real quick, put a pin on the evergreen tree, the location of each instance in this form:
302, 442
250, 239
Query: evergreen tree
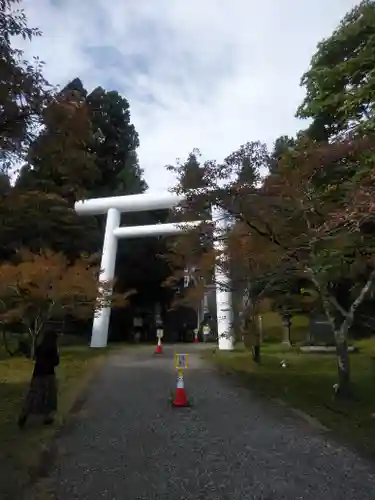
115, 144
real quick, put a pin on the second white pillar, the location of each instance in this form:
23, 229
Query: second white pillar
223, 285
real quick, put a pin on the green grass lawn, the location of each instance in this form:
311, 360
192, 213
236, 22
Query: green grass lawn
20, 451
273, 327
306, 383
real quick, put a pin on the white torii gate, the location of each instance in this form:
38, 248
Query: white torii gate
113, 207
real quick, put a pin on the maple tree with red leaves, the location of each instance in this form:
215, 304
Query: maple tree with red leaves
45, 285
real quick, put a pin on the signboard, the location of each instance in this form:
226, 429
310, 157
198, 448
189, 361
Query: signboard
206, 330
181, 361
160, 333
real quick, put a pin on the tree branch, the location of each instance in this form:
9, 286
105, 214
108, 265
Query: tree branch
335, 304
362, 294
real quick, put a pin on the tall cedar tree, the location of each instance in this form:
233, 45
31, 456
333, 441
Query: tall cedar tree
60, 168
98, 159
60, 160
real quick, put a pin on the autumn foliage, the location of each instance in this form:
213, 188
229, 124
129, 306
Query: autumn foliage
45, 285
310, 219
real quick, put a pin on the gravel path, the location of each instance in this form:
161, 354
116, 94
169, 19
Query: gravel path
128, 444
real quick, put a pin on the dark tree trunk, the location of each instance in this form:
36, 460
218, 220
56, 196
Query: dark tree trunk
256, 345
256, 353
33, 342
343, 369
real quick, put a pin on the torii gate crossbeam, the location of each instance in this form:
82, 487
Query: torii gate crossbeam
113, 207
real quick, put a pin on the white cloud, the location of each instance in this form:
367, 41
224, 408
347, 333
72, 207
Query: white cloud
211, 74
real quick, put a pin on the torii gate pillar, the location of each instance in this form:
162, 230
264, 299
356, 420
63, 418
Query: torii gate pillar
113, 207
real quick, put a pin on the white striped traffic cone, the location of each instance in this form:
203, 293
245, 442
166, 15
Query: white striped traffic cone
159, 347
180, 399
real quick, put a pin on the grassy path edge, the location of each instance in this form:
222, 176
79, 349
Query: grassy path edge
343, 428
26, 456
78, 396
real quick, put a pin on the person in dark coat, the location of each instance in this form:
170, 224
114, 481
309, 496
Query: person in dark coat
42, 396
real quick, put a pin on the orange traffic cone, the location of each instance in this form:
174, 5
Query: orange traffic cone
159, 347
180, 399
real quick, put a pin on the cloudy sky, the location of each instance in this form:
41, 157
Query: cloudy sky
211, 74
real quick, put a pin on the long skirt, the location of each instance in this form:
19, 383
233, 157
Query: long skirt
42, 396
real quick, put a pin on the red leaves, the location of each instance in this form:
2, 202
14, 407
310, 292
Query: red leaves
47, 284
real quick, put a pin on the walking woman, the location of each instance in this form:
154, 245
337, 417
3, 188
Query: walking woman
42, 396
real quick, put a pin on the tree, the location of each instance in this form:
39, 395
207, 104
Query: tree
282, 145
255, 269
60, 159
315, 228
81, 152
190, 174
332, 245
193, 250
115, 144
46, 285
58, 227
23, 89
340, 83
86, 149
205, 185
4, 184
324, 226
